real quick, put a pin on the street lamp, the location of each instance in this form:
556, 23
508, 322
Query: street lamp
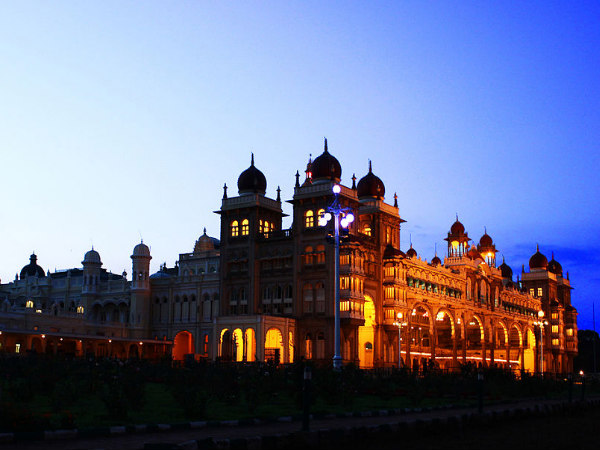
400, 324
541, 322
342, 216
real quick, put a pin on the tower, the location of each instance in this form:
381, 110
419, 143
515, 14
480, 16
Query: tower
92, 267
458, 240
139, 315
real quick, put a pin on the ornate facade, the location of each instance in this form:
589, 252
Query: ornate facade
263, 292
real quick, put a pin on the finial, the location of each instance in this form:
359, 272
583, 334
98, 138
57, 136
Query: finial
435, 248
457, 217
552, 254
252, 159
502, 258
310, 158
370, 168
410, 239
204, 234
485, 229
537, 246
224, 191
278, 194
395, 200
297, 178
354, 181
325, 151
522, 268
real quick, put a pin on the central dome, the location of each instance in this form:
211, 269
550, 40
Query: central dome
538, 260
141, 250
252, 180
32, 269
92, 257
326, 167
371, 186
457, 228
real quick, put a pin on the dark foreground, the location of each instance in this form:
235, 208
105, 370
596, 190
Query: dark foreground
547, 424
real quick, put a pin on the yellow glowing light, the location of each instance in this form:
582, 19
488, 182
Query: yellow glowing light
141, 343
43, 336
454, 244
109, 341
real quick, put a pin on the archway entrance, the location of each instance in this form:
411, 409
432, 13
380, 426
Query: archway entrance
250, 345
366, 335
183, 345
529, 351
238, 345
225, 345
274, 346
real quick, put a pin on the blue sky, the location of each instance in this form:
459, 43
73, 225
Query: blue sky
122, 120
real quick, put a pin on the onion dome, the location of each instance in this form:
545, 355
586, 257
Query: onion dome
390, 252
538, 261
252, 180
555, 267
436, 261
92, 257
371, 186
486, 241
141, 250
411, 252
506, 270
326, 167
32, 269
204, 244
457, 228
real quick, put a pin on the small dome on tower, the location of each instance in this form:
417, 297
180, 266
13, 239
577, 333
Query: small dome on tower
252, 180
204, 244
506, 270
371, 186
141, 250
436, 261
457, 228
92, 257
538, 260
32, 269
555, 267
486, 240
326, 167
411, 252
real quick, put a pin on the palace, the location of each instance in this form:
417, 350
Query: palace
262, 292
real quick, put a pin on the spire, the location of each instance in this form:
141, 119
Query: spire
278, 194
297, 179
325, 149
224, 191
435, 248
395, 200
204, 234
252, 159
503, 259
370, 168
537, 247
354, 181
485, 229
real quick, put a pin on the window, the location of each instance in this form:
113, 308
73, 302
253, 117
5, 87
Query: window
308, 298
532, 292
554, 316
320, 294
234, 228
245, 227
308, 256
29, 304
367, 229
556, 342
555, 328
539, 292
569, 331
388, 235
17, 348
309, 219
260, 226
320, 254
206, 344
266, 228
320, 213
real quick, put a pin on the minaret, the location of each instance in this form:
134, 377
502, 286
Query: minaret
140, 288
92, 266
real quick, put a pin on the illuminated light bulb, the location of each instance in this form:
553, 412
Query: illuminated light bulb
350, 217
322, 222
327, 216
344, 222
337, 189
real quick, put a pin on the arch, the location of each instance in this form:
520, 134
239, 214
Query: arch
529, 351
225, 345
320, 214
291, 346
309, 219
274, 346
250, 340
474, 333
445, 331
245, 227
36, 345
308, 346
237, 345
234, 228
183, 344
366, 334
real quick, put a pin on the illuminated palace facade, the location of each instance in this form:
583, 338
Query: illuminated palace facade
262, 292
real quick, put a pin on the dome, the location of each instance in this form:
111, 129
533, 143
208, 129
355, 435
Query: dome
204, 244
92, 257
326, 167
32, 269
555, 267
411, 252
436, 261
538, 261
506, 270
141, 250
457, 228
252, 180
390, 252
371, 186
486, 241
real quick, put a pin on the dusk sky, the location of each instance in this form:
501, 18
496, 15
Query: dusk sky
123, 120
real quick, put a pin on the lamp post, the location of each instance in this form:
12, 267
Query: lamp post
342, 217
541, 322
400, 324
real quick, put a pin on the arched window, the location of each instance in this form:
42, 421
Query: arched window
260, 226
308, 255
388, 235
245, 227
320, 254
307, 294
367, 229
320, 213
242, 294
320, 297
309, 219
266, 229
235, 229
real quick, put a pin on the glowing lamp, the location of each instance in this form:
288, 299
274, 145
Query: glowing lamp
337, 189
540, 314
454, 244
344, 222
327, 216
350, 217
400, 315
322, 221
